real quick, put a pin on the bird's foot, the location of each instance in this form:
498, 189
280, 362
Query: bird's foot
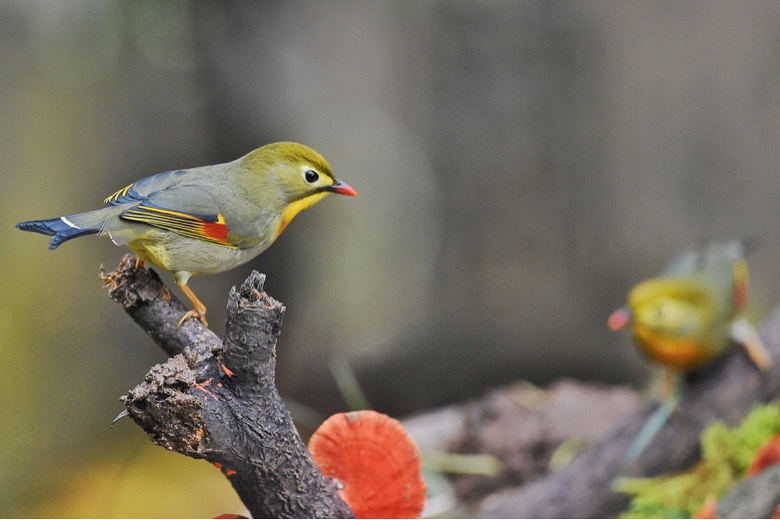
743, 332
198, 314
198, 309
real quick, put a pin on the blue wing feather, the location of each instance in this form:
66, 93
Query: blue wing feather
168, 191
140, 190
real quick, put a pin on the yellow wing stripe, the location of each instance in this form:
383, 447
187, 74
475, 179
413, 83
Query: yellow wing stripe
118, 194
182, 223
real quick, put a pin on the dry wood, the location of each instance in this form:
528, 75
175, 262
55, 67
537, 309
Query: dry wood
217, 400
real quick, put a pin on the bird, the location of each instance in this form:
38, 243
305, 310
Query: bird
687, 316
208, 219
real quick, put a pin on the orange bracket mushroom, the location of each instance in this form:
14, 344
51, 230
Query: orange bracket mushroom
375, 463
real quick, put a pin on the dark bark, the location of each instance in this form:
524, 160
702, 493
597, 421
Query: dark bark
755, 497
151, 304
725, 390
217, 400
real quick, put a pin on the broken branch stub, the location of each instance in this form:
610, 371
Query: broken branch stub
218, 401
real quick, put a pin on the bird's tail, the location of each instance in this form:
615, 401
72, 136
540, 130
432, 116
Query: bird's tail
65, 228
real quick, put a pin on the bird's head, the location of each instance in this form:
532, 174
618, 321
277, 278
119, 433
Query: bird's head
292, 177
296, 172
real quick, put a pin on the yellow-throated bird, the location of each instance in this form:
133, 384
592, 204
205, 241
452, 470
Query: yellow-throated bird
209, 219
687, 316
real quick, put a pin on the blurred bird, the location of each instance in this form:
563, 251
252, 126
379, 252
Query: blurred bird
209, 219
688, 315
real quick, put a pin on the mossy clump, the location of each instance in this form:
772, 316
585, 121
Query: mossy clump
726, 455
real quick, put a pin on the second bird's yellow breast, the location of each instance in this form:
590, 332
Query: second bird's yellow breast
674, 323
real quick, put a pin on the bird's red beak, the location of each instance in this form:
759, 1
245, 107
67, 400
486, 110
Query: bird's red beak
619, 319
342, 188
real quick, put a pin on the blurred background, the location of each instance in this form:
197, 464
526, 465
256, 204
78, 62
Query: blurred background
520, 165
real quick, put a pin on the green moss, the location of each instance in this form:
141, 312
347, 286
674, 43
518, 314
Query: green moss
726, 455
737, 447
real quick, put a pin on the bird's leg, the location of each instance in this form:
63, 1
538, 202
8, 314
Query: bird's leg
746, 335
672, 380
198, 311
676, 384
139, 262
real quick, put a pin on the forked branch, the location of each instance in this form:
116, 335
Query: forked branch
217, 400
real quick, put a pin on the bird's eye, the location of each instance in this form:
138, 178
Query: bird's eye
311, 176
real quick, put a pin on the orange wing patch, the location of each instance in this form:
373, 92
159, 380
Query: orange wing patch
740, 284
209, 229
216, 231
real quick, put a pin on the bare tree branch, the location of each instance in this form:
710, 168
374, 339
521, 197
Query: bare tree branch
217, 400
